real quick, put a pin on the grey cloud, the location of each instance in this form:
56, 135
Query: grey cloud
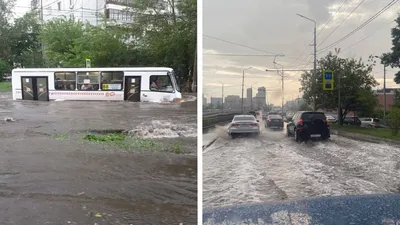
273, 26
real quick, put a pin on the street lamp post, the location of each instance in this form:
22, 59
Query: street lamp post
243, 86
315, 59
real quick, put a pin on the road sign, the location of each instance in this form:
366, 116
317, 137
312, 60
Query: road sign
328, 80
88, 63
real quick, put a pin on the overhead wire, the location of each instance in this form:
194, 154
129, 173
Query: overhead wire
351, 13
319, 32
360, 27
244, 46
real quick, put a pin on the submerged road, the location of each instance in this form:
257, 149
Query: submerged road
44, 180
273, 167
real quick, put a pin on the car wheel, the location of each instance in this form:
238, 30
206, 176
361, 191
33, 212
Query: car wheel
296, 136
287, 132
233, 136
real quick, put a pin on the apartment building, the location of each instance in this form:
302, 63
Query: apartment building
91, 11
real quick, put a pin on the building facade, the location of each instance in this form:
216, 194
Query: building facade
233, 102
92, 11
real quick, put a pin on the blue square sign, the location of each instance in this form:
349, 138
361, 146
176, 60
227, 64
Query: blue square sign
328, 75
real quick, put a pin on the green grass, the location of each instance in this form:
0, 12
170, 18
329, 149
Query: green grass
376, 132
127, 143
5, 86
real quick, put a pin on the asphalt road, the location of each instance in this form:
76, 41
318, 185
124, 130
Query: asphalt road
273, 168
44, 180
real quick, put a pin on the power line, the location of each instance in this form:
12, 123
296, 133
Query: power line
233, 43
244, 46
344, 2
222, 54
361, 26
365, 38
341, 23
319, 32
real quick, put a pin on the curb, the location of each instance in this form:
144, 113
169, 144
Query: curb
210, 143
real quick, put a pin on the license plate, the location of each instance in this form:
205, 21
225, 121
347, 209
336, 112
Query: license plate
315, 135
274, 127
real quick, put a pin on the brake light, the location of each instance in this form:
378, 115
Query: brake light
234, 125
283, 121
269, 120
301, 122
327, 122
253, 124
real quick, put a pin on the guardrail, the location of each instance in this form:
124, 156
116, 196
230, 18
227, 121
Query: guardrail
210, 121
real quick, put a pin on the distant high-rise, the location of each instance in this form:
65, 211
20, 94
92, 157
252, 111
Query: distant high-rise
261, 97
249, 95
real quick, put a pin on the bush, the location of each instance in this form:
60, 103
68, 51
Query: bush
394, 117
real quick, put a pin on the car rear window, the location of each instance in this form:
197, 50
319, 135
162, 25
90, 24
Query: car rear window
244, 118
275, 117
313, 115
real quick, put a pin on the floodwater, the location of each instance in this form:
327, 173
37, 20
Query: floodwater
273, 168
48, 181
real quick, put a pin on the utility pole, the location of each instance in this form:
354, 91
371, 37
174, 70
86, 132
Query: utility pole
283, 81
243, 87
384, 91
315, 66
384, 88
337, 50
222, 97
314, 87
251, 97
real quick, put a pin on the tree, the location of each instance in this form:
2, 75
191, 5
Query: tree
59, 37
304, 107
393, 58
4, 68
356, 85
24, 43
5, 35
167, 30
394, 117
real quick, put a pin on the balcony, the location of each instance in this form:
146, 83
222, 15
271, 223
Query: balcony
120, 2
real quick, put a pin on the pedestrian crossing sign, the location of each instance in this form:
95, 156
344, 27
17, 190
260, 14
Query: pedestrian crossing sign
328, 80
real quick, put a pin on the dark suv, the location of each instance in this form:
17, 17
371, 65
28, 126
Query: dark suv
274, 121
306, 125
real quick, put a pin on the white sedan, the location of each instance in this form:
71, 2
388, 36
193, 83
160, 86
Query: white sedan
243, 125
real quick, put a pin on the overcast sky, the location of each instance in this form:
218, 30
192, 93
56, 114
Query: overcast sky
273, 26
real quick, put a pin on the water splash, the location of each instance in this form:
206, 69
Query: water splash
164, 129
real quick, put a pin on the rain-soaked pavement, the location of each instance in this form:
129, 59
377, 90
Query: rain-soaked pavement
44, 180
273, 167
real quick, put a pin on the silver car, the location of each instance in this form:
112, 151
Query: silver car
243, 124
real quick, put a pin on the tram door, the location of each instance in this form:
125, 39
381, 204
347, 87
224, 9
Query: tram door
35, 88
132, 89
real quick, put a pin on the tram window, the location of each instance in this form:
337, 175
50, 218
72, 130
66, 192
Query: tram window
64, 81
88, 81
112, 81
161, 83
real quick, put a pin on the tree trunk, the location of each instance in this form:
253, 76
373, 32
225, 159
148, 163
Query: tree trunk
194, 78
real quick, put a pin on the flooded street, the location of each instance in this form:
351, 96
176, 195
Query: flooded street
272, 168
49, 180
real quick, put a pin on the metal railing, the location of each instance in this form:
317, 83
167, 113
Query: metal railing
209, 121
